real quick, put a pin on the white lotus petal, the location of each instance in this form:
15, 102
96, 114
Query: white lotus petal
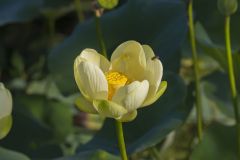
162, 88
129, 59
130, 116
5, 102
77, 78
91, 55
91, 81
109, 109
153, 74
148, 51
133, 95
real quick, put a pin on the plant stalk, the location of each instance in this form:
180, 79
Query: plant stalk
232, 82
121, 142
51, 28
100, 36
119, 128
79, 10
198, 101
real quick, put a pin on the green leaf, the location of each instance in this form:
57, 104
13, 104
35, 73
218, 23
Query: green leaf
52, 114
12, 11
216, 84
205, 43
35, 128
152, 124
17, 63
108, 4
6, 154
164, 32
55, 3
60, 119
18, 11
214, 23
47, 87
219, 142
91, 155
217, 90
218, 53
33, 106
2, 58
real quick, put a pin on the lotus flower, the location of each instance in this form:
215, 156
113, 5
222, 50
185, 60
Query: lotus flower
117, 88
5, 111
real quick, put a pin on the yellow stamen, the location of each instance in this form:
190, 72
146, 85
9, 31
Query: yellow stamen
115, 81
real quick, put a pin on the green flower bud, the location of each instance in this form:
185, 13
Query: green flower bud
108, 4
227, 7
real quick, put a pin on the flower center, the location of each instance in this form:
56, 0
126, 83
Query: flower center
115, 81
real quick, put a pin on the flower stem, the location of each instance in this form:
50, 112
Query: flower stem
51, 28
119, 128
100, 36
232, 80
121, 143
79, 10
196, 71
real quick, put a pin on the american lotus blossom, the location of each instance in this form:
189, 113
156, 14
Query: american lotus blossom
5, 111
117, 88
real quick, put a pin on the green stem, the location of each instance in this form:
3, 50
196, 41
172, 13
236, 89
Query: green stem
196, 71
121, 143
51, 28
232, 80
119, 127
100, 36
79, 10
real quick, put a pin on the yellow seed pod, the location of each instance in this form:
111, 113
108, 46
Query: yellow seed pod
227, 7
